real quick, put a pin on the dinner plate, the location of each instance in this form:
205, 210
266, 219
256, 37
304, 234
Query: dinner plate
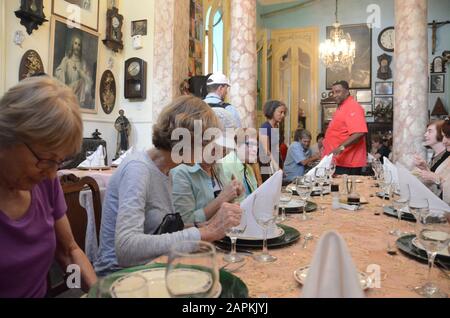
301, 274
94, 168
443, 252
192, 279
290, 236
390, 211
232, 286
406, 245
296, 206
279, 232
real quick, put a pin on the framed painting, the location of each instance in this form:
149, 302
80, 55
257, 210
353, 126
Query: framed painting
139, 27
364, 96
384, 88
368, 109
437, 83
358, 75
73, 61
328, 111
80, 12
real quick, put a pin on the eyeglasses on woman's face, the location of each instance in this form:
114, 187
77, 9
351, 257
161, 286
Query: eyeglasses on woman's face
47, 164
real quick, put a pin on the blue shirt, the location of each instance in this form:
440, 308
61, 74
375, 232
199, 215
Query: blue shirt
292, 166
192, 191
213, 98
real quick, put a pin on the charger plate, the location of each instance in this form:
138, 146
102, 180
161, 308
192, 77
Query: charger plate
390, 211
94, 168
296, 206
301, 274
231, 285
290, 236
405, 244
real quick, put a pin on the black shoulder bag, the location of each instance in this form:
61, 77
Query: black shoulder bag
170, 224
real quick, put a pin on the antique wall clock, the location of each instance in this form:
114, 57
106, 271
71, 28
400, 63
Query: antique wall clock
386, 39
114, 33
31, 14
135, 85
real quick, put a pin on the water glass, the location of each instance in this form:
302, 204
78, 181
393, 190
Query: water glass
233, 234
285, 198
401, 195
434, 235
265, 220
304, 188
192, 270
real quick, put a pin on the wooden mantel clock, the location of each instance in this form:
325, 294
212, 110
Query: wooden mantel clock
114, 30
135, 79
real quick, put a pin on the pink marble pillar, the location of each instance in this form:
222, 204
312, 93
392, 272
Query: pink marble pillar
243, 60
171, 50
411, 79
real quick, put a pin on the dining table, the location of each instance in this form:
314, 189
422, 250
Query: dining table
366, 233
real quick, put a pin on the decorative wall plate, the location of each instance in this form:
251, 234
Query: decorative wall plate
30, 64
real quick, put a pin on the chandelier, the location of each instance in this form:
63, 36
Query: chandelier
338, 52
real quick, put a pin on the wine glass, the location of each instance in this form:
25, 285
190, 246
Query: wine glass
192, 270
385, 180
401, 195
102, 157
418, 207
89, 158
434, 235
331, 170
119, 285
285, 198
304, 187
321, 175
233, 234
265, 220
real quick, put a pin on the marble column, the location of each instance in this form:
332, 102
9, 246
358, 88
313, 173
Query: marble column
243, 60
171, 51
411, 79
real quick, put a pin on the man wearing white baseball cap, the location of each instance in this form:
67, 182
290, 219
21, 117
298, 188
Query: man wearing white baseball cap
217, 86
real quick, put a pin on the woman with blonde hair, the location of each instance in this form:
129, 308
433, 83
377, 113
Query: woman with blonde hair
40, 127
139, 195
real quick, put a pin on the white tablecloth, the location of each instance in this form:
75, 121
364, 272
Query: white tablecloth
86, 201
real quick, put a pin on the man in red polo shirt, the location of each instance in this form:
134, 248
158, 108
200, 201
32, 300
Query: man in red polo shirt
345, 136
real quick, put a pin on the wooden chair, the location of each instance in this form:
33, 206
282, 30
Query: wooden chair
78, 219
77, 215
257, 172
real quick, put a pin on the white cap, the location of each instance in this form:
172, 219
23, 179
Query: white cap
218, 78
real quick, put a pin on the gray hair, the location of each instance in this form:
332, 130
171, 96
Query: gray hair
41, 110
301, 134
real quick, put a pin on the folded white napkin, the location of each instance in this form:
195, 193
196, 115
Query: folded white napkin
389, 166
119, 160
332, 273
419, 190
324, 163
267, 196
94, 160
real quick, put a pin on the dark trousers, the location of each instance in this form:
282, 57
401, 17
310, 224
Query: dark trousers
348, 171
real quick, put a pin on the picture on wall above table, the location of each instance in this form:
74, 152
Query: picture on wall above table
383, 109
139, 28
384, 71
108, 92
81, 12
364, 96
368, 109
359, 75
438, 65
73, 61
384, 88
31, 64
437, 83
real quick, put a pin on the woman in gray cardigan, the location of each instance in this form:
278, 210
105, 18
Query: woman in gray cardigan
139, 196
